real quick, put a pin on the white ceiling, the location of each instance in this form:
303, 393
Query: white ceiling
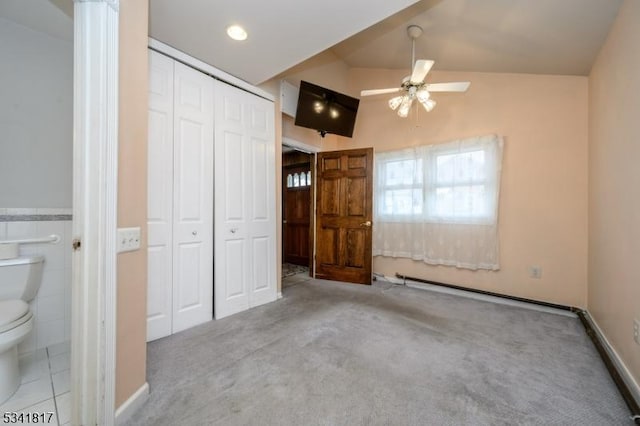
528, 36
52, 17
522, 36
282, 33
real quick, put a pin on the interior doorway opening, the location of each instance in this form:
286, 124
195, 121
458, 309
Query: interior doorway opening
298, 183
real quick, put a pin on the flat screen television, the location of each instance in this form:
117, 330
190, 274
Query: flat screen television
326, 111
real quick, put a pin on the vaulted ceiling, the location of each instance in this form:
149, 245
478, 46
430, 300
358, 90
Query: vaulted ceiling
524, 36
521, 36
282, 33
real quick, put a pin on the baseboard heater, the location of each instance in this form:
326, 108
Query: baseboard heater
616, 375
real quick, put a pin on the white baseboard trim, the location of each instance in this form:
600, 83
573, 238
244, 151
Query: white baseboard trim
624, 372
279, 295
479, 296
133, 404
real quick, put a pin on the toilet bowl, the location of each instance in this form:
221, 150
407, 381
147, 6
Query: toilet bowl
19, 282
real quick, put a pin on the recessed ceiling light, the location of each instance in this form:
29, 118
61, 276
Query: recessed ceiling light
236, 32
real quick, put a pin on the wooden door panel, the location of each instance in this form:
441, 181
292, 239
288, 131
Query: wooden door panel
355, 247
330, 163
296, 215
358, 162
327, 252
356, 193
330, 197
344, 200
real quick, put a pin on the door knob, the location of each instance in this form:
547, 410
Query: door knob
233, 230
367, 223
194, 233
284, 221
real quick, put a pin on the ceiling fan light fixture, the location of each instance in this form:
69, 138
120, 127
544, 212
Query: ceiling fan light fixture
405, 106
394, 103
428, 104
414, 86
423, 95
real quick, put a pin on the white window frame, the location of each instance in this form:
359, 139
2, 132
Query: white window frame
428, 184
382, 186
431, 187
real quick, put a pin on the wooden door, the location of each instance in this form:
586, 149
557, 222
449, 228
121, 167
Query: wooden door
296, 213
245, 227
192, 198
344, 217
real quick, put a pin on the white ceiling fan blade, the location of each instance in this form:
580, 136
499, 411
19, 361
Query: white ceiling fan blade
460, 86
379, 91
420, 70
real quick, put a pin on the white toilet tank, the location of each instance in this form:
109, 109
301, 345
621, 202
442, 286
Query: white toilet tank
20, 277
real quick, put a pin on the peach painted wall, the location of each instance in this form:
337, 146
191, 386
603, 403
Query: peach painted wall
614, 176
132, 199
543, 200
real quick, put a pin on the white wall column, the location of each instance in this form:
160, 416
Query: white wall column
95, 188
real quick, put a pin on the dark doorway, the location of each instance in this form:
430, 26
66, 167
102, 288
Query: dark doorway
297, 195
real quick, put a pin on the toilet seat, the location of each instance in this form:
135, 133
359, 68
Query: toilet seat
13, 313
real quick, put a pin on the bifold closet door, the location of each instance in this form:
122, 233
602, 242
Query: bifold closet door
192, 198
160, 197
245, 245
180, 197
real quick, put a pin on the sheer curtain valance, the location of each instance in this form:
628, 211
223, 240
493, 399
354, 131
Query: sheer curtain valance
439, 203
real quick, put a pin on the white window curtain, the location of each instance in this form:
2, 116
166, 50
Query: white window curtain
439, 203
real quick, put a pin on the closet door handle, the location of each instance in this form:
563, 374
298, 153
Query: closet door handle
194, 233
233, 230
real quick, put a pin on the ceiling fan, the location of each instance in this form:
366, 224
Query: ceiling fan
413, 86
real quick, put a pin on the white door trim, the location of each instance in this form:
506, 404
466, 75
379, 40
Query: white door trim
214, 72
95, 190
293, 143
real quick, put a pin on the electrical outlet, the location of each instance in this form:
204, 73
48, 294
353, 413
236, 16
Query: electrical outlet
535, 272
636, 331
128, 239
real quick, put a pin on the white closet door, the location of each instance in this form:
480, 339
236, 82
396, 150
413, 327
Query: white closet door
262, 222
193, 198
159, 196
245, 202
231, 184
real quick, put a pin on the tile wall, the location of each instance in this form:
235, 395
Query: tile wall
52, 305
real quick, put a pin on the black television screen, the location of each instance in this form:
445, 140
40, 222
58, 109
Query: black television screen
325, 110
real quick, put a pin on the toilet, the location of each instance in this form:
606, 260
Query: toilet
19, 282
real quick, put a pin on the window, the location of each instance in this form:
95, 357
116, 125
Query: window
450, 182
453, 185
299, 179
402, 187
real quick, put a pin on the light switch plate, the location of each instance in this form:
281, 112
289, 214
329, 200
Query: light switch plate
128, 239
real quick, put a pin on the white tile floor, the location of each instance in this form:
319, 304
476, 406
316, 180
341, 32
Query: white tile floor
45, 384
